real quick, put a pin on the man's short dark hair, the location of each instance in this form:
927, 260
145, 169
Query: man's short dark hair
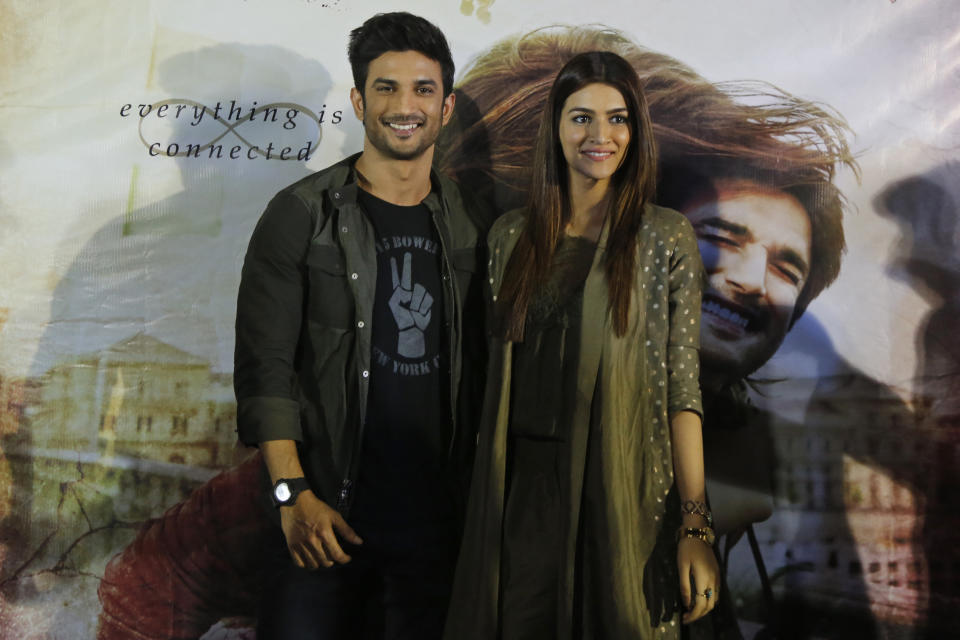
398, 31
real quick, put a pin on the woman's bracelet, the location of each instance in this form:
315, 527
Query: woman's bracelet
703, 534
697, 508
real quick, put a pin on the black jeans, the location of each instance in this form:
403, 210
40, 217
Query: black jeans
397, 586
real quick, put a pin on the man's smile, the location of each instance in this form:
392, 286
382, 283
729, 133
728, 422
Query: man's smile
403, 128
731, 317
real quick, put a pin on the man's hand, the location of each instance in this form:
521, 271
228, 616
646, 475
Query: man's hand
698, 570
311, 526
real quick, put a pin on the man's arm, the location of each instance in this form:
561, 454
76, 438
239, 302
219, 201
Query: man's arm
269, 316
309, 524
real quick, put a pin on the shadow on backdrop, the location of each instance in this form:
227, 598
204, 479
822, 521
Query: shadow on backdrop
870, 477
134, 405
925, 208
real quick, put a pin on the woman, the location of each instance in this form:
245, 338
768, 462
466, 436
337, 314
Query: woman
590, 455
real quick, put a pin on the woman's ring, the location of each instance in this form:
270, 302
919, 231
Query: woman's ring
708, 594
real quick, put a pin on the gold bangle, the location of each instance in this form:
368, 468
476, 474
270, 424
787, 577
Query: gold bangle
703, 534
697, 508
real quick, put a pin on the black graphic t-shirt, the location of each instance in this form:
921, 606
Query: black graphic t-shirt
401, 476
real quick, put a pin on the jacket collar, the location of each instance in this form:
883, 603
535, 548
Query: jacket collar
345, 185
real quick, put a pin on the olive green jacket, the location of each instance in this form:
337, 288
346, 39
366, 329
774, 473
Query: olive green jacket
645, 376
304, 321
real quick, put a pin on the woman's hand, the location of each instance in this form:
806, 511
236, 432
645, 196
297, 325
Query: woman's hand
698, 570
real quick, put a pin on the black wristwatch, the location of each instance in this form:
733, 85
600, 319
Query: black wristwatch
286, 490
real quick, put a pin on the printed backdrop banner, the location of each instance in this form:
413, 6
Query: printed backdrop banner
140, 141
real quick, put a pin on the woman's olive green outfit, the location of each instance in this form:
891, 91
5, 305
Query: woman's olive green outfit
586, 490
543, 389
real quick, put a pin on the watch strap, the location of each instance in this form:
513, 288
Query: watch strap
296, 487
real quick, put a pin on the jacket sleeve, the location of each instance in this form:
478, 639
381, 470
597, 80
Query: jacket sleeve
683, 344
269, 314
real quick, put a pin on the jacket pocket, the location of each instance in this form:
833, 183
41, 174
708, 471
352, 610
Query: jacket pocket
329, 299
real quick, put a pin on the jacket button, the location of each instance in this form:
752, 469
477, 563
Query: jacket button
354, 276
343, 229
365, 374
337, 195
360, 324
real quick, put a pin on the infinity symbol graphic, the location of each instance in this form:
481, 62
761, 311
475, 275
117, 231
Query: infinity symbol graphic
231, 128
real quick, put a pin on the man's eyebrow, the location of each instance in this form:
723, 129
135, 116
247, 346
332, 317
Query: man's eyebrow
784, 253
789, 255
419, 82
726, 225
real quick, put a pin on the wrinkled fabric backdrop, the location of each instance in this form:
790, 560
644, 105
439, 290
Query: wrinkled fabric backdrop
133, 166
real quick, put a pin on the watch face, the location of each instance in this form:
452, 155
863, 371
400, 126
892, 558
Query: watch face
282, 492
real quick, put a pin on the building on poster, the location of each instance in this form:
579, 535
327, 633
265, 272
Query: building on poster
139, 398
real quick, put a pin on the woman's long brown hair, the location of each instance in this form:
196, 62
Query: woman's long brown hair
548, 201
704, 131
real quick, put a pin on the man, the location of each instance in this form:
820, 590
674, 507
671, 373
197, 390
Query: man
756, 242
348, 359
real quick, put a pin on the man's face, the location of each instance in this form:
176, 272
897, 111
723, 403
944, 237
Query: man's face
403, 106
755, 245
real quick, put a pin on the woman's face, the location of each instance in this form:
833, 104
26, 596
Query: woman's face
594, 132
